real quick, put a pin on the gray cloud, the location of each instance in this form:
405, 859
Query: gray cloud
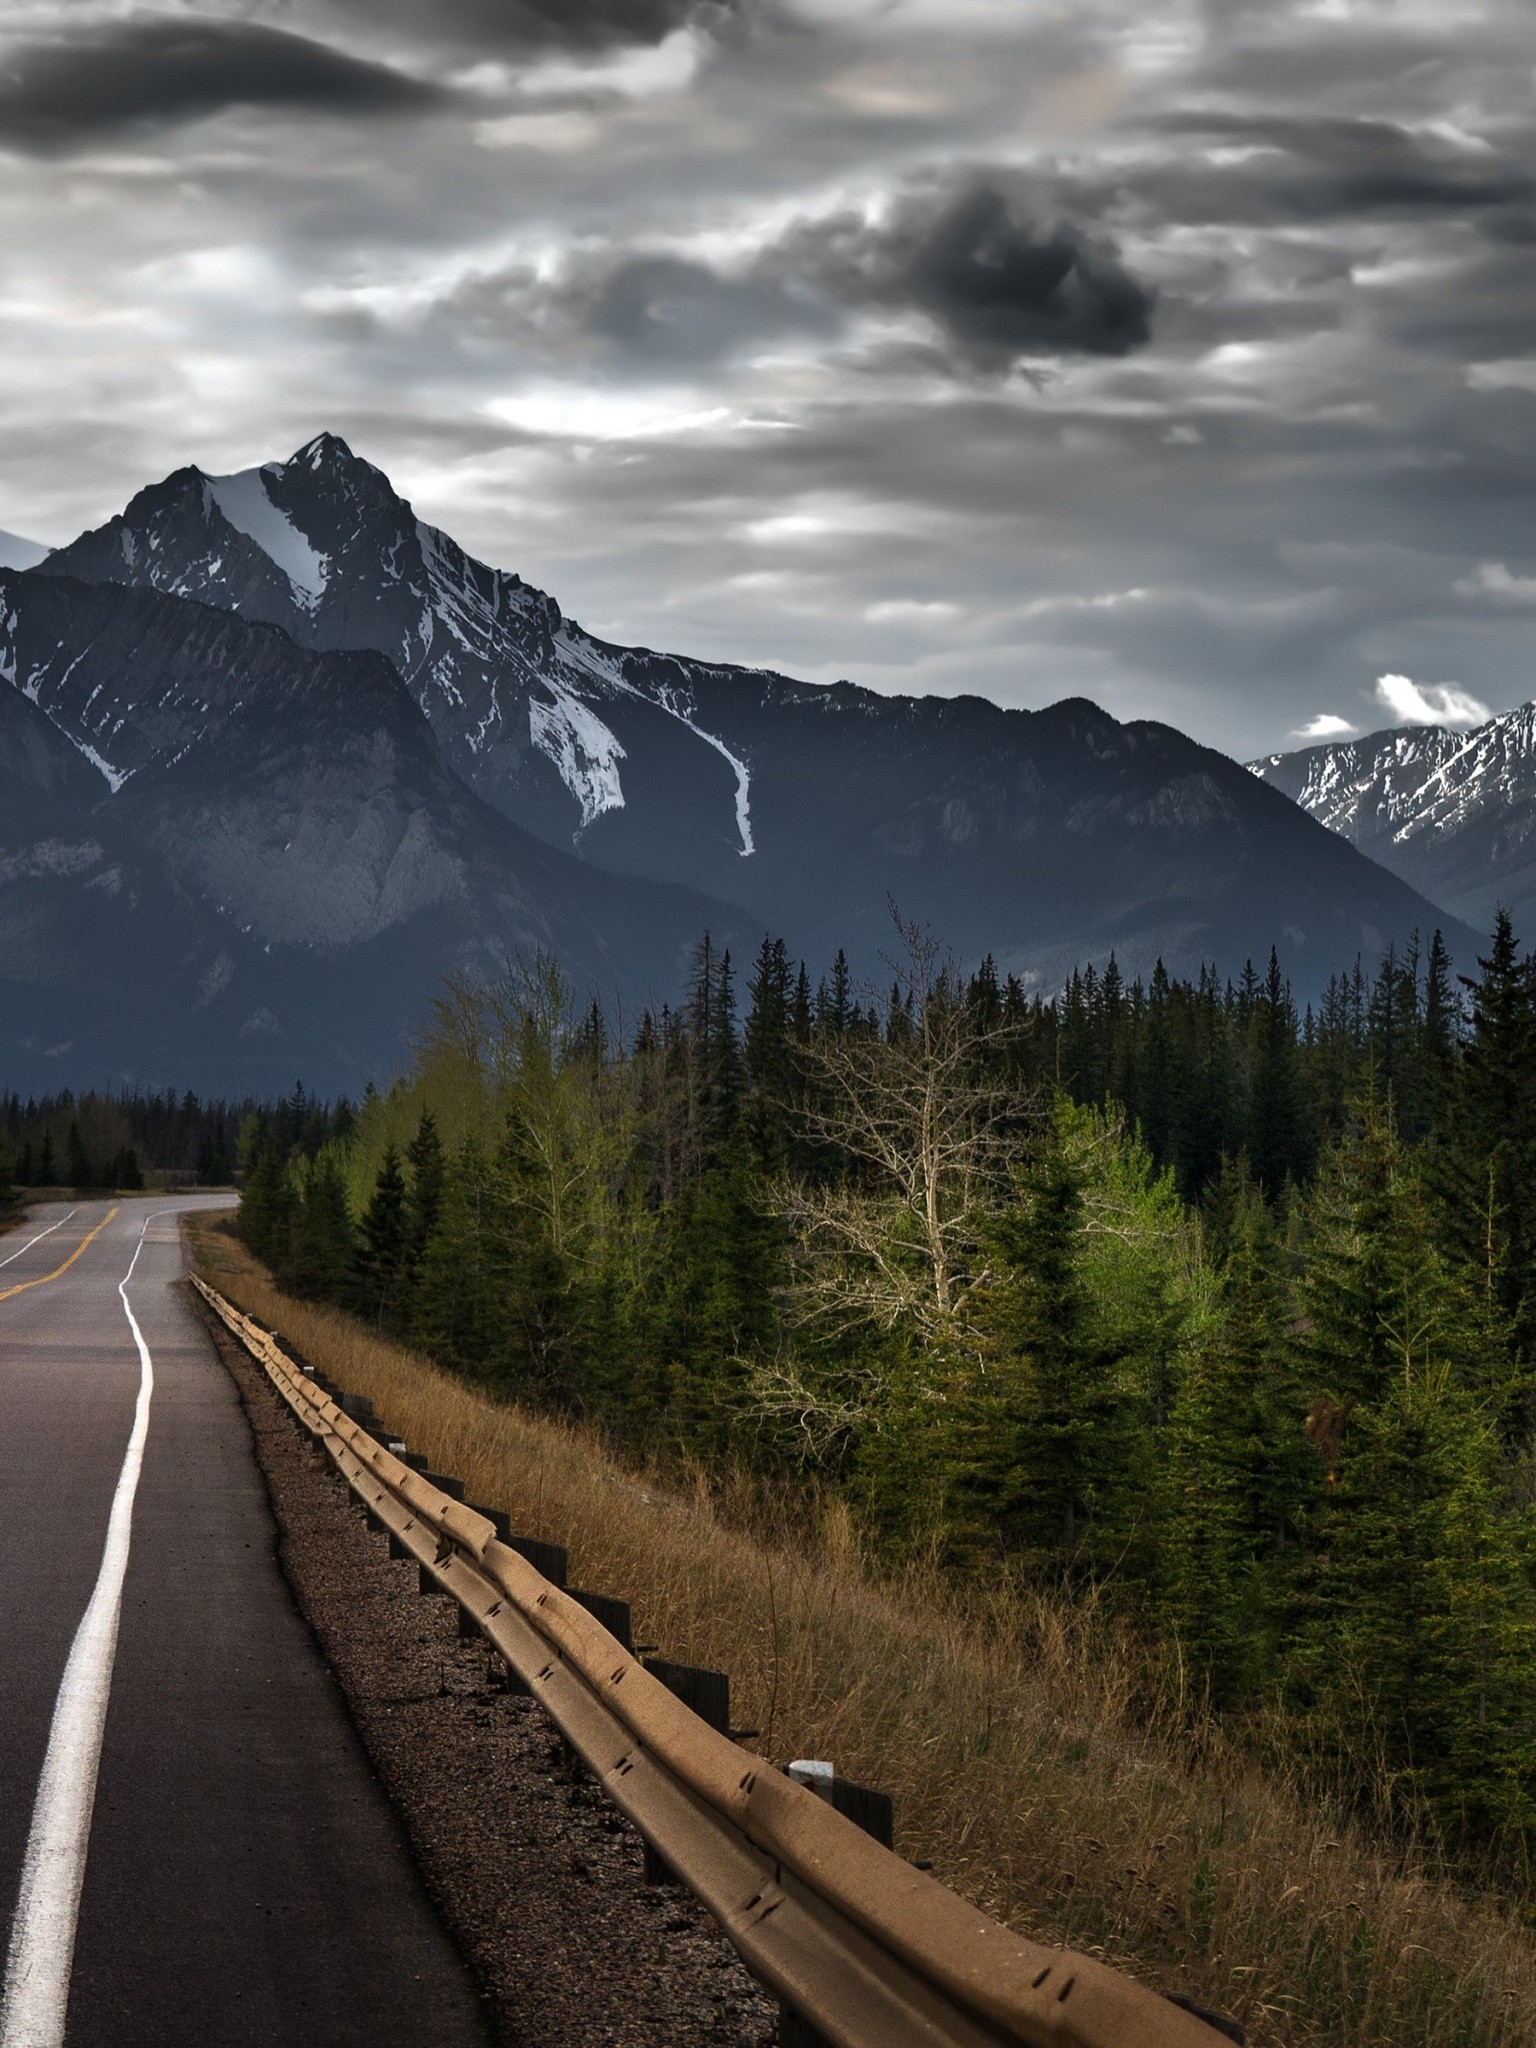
997, 283
944, 344
1329, 167
146, 72
1001, 287
662, 310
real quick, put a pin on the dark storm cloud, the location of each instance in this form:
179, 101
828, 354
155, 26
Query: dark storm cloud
998, 283
660, 309
150, 72
1001, 286
532, 24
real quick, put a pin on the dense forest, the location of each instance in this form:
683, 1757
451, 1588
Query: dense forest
105, 1140
1166, 1292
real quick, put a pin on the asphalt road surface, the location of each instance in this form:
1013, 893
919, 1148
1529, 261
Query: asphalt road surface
229, 1871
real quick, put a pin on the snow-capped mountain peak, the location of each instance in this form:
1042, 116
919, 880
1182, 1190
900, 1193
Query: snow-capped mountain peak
535, 714
1454, 813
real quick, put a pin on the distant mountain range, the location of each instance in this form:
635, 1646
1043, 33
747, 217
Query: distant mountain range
1452, 813
277, 755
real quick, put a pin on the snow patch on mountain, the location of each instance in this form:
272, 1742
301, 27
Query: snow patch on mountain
115, 777
585, 753
743, 774
244, 501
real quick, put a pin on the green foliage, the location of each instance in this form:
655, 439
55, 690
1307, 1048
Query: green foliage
1224, 1312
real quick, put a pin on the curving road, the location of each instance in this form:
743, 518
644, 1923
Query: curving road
230, 1872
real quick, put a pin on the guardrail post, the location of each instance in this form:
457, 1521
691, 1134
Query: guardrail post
613, 1614
550, 1560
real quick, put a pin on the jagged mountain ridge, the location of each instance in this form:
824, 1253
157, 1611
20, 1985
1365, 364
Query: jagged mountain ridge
260, 863
1043, 837
1452, 813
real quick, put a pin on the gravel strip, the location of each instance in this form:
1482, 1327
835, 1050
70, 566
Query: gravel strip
539, 1879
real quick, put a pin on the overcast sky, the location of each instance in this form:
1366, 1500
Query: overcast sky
1182, 356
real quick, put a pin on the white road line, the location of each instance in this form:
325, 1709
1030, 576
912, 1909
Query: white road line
39, 1237
37, 1971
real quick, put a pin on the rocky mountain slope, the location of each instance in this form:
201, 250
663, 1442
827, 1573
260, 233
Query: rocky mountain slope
1452, 813
1043, 837
226, 859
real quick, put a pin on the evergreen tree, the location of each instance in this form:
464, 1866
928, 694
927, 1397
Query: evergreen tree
1240, 1474
1488, 1169
126, 1172
81, 1173
1053, 1456
381, 1254
454, 1301
1277, 1141
266, 1200
324, 1244
428, 1174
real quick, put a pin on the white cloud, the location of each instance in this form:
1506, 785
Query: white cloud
1430, 704
570, 412
1496, 579
1326, 726
1509, 373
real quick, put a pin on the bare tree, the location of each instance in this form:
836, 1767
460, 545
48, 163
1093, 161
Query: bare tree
919, 1117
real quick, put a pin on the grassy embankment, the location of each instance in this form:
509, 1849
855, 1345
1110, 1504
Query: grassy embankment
1031, 1754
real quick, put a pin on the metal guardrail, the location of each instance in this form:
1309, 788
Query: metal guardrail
869, 1950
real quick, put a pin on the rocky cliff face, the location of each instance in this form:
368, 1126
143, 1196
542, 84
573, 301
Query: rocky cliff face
220, 851
1452, 813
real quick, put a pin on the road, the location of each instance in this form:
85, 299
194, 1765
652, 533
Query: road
231, 1873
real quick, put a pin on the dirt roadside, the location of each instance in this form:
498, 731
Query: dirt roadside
539, 1880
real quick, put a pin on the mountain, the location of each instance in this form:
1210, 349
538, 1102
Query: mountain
226, 860
1045, 838
1452, 813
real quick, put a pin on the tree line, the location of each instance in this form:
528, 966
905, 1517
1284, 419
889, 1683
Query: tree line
1221, 1309
105, 1139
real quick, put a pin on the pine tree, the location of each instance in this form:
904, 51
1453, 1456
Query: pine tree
454, 1307
1487, 1172
126, 1172
381, 1255
1277, 1139
1422, 1634
428, 1171
81, 1173
1240, 1473
266, 1200
325, 1247
834, 1003
1052, 1460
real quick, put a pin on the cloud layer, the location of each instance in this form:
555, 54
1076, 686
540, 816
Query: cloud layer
1179, 356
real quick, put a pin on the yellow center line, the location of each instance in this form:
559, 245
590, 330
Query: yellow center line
79, 1248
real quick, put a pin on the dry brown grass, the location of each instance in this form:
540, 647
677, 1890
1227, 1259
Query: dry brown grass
1016, 1738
